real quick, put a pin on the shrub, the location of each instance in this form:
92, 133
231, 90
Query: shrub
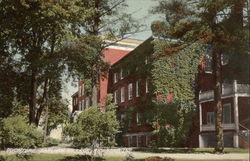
15, 132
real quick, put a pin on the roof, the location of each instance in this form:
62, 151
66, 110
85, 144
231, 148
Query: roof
144, 47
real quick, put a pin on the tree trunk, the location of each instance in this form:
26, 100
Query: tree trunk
43, 103
33, 91
217, 101
46, 123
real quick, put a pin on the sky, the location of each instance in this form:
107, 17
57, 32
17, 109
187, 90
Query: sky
140, 11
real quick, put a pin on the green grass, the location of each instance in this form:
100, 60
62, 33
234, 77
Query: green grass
189, 150
71, 157
209, 160
56, 157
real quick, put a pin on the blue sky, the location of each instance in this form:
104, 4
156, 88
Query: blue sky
140, 11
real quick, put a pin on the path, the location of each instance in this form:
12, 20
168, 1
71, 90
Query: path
128, 151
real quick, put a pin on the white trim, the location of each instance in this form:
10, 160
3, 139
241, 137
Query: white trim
139, 133
121, 47
200, 110
147, 91
130, 91
212, 127
123, 94
137, 88
201, 144
236, 114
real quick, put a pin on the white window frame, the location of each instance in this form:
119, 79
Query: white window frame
116, 101
208, 62
210, 117
123, 94
82, 90
121, 74
138, 117
147, 91
87, 102
228, 105
115, 77
83, 104
137, 88
130, 91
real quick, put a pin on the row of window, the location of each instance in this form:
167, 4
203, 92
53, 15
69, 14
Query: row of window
139, 140
208, 61
81, 90
130, 92
226, 115
123, 73
85, 103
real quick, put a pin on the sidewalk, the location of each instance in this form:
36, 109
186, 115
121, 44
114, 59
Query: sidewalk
128, 152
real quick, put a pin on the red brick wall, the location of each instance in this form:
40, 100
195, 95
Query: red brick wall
243, 143
244, 110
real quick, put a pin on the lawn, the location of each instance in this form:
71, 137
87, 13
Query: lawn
189, 150
62, 157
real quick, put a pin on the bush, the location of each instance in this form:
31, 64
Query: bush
15, 132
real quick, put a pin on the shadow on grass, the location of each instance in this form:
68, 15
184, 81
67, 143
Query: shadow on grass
172, 150
81, 158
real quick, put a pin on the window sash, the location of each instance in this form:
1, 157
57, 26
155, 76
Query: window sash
210, 118
130, 91
227, 113
123, 94
137, 88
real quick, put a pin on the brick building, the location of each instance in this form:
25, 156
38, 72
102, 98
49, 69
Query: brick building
131, 89
82, 99
235, 102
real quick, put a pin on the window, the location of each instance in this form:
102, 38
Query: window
82, 102
116, 77
224, 59
210, 118
87, 102
227, 113
138, 118
208, 60
123, 117
148, 139
147, 86
129, 140
82, 91
122, 94
124, 73
116, 97
139, 140
137, 88
130, 91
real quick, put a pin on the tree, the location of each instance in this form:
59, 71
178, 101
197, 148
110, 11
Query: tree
94, 128
37, 39
220, 24
15, 132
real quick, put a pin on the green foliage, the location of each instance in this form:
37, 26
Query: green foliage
15, 132
58, 113
175, 72
172, 122
94, 127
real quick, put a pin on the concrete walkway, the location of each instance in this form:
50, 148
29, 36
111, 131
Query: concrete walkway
128, 152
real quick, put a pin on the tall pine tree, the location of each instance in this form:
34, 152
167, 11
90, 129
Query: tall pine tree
221, 24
